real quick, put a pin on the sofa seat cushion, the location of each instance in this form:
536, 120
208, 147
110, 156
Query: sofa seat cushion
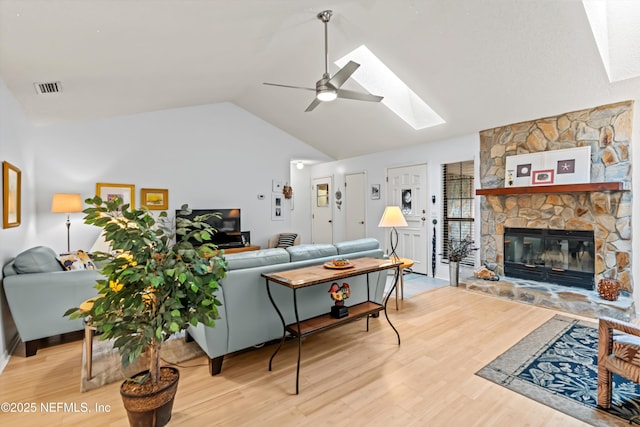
39, 259
259, 258
358, 245
311, 251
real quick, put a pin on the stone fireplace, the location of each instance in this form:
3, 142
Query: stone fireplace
601, 209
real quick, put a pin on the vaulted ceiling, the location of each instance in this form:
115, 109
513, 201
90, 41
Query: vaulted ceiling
477, 63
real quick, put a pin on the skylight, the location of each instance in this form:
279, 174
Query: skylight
614, 24
378, 79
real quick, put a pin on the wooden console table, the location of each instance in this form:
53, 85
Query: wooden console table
318, 274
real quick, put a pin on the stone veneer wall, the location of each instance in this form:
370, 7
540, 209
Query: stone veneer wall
607, 129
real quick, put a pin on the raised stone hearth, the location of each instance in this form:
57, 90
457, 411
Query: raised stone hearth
570, 300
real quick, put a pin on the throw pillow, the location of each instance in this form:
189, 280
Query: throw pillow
286, 239
78, 260
39, 259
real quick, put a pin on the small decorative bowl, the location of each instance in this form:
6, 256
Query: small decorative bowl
340, 262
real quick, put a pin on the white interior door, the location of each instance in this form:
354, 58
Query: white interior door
407, 188
354, 205
321, 210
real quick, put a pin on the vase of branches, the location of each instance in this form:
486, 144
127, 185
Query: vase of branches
457, 250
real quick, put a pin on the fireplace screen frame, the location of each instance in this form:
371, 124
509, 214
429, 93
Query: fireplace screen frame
548, 255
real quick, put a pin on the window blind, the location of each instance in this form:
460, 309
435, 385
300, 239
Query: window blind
458, 192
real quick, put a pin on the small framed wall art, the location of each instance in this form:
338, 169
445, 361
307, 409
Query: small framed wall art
375, 191
277, 212
11, 195
111, 192
154, 198
543, 177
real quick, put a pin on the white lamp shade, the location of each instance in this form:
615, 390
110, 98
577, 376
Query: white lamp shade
392, 217
66, 203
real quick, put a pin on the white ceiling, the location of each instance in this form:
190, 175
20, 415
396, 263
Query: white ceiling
478, 63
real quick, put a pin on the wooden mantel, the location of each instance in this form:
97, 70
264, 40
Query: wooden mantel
562, 188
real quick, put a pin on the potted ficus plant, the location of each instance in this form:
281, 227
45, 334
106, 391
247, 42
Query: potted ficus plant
157, 283
457, 250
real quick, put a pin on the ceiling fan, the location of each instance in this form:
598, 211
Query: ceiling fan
328, 88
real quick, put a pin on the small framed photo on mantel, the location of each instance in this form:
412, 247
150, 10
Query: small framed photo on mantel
543, 177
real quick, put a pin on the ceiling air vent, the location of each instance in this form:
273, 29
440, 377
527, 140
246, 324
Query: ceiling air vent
48, 88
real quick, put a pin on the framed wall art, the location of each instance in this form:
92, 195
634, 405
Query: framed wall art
154, 198
570, 166
375, 191
543, 177
111, 192
277, 208
11, 195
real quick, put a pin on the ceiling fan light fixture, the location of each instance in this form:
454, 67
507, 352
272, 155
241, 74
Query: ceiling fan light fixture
326, 95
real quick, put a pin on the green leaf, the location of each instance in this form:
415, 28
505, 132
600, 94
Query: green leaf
174, 327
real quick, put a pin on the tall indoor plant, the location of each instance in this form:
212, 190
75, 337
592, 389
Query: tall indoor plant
161, 280
457, 250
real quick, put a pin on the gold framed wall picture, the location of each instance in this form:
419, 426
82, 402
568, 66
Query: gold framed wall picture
11, 195
111, 192
154, 198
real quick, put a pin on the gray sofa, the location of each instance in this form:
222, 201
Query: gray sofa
247, 315
39, 291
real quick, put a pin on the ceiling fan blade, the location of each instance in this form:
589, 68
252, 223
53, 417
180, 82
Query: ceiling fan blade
343, 93
291, 87
345, 72
313, 105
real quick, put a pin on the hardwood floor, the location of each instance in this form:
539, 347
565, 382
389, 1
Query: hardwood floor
348, 376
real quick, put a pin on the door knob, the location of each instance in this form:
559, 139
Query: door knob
361, 222
330, 221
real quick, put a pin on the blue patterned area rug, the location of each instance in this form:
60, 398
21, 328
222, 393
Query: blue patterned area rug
557, 365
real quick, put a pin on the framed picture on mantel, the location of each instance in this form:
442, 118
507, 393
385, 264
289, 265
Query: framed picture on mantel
544, 177
569, 166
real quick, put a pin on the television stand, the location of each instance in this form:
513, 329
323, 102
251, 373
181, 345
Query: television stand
240, 249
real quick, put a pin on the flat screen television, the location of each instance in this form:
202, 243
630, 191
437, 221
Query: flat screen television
228, 226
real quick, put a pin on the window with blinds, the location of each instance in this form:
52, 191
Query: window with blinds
457, 207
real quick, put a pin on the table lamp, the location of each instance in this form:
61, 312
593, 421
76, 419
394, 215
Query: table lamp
66, 203
392, 218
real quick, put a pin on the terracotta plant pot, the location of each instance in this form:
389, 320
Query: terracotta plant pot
152, 409
609, 289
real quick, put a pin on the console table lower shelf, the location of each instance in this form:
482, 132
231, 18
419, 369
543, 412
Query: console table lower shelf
325, 321
315, 275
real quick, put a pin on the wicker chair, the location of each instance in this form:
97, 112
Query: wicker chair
618, 354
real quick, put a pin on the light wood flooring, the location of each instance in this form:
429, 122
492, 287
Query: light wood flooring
348, 377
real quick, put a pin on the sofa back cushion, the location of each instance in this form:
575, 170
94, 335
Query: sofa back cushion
317, 250
358, 245
39, 259
260, 258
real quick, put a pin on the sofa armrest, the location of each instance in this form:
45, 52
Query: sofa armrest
38, 301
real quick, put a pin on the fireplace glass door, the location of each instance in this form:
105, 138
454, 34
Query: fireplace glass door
564, 257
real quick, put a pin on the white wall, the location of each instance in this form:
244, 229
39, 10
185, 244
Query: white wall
14, 134
375, 165
212, 156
